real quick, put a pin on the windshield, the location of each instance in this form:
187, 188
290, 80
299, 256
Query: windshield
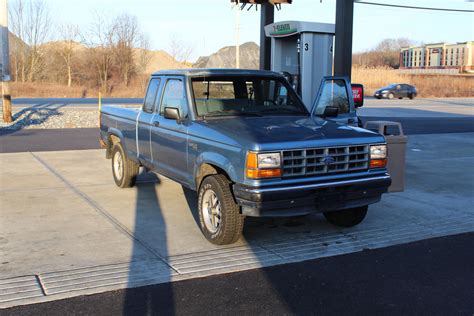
390, 86
244, 95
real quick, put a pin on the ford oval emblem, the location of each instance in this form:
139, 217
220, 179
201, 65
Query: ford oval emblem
327, 160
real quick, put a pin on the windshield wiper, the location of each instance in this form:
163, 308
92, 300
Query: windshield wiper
283, 110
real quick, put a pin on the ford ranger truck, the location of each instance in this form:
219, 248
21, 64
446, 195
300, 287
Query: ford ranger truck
246, 143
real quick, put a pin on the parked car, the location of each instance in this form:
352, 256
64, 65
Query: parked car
247, 144
398, 90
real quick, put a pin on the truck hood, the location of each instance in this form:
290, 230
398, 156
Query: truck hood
286, 132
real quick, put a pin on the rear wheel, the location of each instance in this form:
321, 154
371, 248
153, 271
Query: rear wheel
219, 216
347, 218
125, 171
411, 96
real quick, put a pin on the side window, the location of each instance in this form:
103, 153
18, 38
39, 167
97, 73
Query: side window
151, 95
333, 94
174, 96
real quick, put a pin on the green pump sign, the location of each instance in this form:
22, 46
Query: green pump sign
283, 29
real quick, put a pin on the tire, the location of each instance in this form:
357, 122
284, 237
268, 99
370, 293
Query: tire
219, 216
390, 96
124, 170
411, 96
400, 98
347, 218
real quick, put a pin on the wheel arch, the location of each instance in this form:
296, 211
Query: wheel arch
114, 136
206, 169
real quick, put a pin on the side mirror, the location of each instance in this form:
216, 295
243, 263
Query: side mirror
358, 94
331, 111
171, 113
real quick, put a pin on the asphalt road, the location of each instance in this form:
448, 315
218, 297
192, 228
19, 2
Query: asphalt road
87, 138
429, 277
20, 102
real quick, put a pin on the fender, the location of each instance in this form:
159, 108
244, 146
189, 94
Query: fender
217, 160
117, 133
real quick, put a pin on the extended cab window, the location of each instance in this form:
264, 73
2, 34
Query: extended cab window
174, 96
151, 95
333, 94
245, 95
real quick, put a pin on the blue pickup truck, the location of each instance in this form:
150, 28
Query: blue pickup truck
244, 140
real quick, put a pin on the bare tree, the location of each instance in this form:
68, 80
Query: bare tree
31, 23
142, 60
70, 36
101, 49
385, 54
126, 35
180, 50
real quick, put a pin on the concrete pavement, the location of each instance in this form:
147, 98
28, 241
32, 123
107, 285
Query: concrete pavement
428, 277
66, 230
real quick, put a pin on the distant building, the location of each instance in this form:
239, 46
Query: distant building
459, 56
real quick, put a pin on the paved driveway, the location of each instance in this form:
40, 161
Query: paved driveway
66, 230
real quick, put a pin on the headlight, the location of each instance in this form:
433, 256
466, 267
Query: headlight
264, 165
271, 160
378, 152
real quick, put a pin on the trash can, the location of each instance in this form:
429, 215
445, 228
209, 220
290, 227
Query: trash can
396, 149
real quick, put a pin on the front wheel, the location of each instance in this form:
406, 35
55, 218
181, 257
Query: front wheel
125, 171
390, 96
219, 216
411, 96
347, 218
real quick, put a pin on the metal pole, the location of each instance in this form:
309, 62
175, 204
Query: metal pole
267, 16
5, 63
343, 42
237, 35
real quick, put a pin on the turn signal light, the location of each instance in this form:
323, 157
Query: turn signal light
263, 173
378, 163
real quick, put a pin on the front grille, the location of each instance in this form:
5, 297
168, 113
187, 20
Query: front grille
317, 161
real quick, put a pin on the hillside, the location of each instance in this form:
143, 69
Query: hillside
158, 60
225, 57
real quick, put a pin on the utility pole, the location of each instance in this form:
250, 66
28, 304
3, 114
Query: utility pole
343, 49
237, 35
5, 63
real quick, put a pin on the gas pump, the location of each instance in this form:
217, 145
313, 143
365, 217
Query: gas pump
303, 53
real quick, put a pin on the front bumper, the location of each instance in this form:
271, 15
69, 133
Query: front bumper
309, 198
381, 95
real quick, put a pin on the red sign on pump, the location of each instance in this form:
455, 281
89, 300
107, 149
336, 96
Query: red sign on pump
358, 94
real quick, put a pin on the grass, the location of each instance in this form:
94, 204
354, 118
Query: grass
428, 86
372, 79
48, 90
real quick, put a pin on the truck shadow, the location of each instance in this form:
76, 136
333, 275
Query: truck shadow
150, 242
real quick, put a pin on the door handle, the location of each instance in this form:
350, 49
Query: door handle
156, 123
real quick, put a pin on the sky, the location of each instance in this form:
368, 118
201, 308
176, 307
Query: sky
209, 25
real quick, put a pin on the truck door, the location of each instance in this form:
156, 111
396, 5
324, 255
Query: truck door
335, 93
144, 122
169, 136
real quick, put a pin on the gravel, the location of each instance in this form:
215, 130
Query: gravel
52, 118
